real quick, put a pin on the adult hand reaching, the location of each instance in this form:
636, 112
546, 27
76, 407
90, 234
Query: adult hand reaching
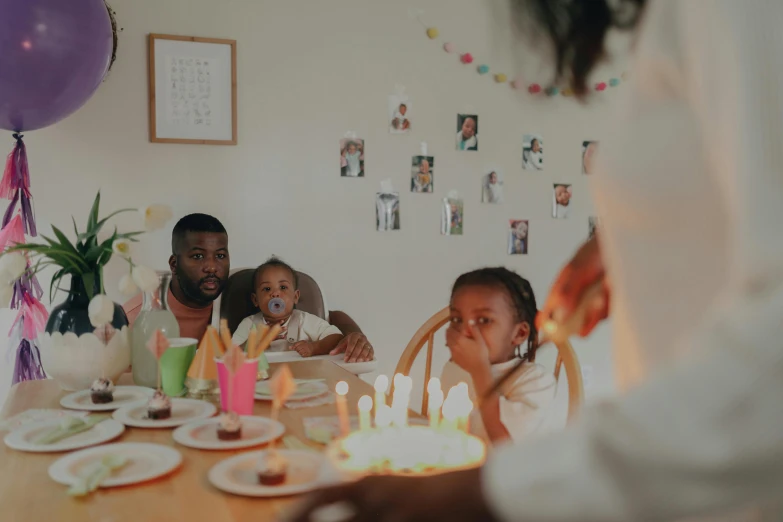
455, 497
582, 271
356, 348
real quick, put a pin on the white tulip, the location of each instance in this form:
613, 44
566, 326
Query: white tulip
121, 247
156, 216
101, 310
6, 294
14, 263
145, 278
127, 286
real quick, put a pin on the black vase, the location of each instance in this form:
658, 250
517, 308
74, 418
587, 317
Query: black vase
73, 351
71, 315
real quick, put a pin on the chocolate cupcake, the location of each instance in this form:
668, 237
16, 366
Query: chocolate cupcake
272, 469
102, 391
159, 406
229, 427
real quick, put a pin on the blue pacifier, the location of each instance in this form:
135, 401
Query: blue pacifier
276, 305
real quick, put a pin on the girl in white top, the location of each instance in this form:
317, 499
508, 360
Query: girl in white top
491, 328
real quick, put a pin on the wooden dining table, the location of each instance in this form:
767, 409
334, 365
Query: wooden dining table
28, 494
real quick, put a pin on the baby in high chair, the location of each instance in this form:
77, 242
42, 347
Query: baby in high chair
276, 293
492, 327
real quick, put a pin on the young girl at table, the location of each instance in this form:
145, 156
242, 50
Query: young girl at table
276, 293
492, 327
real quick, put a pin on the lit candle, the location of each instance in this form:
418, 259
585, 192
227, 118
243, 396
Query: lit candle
381, 383
449, 413
342, 407
365, 406
382, 416
435, 403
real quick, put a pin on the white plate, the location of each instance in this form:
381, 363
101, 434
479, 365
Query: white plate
22, 439
145, 462
203, 434
183, 411
238, 475
304, 390
290, 356
123, 396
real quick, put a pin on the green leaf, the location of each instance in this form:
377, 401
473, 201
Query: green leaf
89, 284
75, 228
55, 278
64, 241
92, 220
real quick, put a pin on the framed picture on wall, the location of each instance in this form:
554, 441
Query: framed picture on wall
192, 90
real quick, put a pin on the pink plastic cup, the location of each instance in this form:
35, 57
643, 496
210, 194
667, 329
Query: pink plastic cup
243, 387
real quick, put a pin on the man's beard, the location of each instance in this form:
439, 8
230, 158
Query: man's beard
193, 292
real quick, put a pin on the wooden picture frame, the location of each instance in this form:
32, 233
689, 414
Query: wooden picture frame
192, 90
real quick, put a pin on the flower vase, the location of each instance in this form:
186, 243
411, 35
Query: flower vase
75, 353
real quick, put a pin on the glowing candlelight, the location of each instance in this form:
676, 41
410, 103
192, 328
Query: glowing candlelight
382, 416
381, 384
342, 407
436, 401
365, 406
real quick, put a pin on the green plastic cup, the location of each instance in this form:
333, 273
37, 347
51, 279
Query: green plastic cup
174, 365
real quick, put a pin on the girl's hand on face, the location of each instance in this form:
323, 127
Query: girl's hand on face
470, 354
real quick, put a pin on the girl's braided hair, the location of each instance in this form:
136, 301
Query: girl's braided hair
519, 292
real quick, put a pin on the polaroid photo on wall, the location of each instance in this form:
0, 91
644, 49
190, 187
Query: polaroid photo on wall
387, 211
592, 225
517, 236
532, 152
451, 217
399, 114
467, 132
352, 158
589, 150
561, 200
492, 187
423, 174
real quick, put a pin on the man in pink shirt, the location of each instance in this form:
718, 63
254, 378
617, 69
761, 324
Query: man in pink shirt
200, 265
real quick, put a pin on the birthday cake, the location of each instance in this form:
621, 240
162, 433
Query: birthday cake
394, 447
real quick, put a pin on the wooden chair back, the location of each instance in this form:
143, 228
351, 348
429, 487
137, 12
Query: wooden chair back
566, 358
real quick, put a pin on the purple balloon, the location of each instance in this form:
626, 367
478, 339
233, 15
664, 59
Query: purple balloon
53, 56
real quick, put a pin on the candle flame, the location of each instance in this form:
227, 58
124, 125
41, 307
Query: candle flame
433, 385
381, 384
365, 403
341, 388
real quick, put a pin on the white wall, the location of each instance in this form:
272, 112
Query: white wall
308, 72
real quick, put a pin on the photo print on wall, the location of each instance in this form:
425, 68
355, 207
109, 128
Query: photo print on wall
517, 236
532, 152
423, 174
352, 158
467, 132
561, 200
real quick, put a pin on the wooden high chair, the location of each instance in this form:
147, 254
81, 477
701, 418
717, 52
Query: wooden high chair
566, 357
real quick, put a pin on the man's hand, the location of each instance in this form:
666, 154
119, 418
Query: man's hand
356, 348
305, 348
455, 497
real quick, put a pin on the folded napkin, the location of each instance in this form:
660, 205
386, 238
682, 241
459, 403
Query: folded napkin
37, 415
311, 403
293, 443
102, 470
69, 426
